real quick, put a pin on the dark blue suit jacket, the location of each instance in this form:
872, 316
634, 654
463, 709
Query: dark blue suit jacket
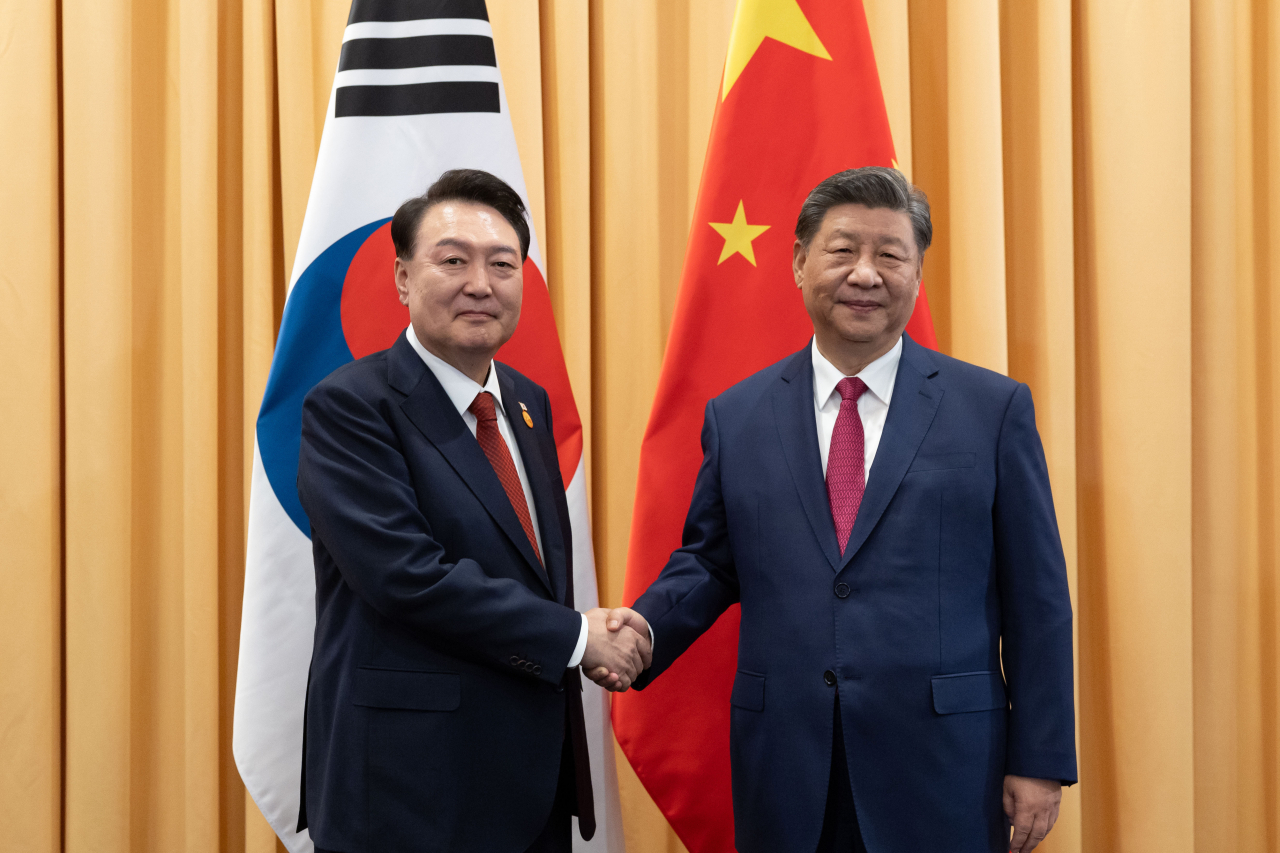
436, 709
955, 550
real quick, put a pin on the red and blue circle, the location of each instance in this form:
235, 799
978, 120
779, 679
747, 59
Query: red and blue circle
343, 307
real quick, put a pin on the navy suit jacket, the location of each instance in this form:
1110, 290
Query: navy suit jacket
437, 702
955, 550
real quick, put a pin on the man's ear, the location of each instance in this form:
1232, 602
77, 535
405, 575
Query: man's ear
799, 254
402, 280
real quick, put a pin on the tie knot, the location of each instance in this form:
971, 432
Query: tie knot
850, 388
482, 407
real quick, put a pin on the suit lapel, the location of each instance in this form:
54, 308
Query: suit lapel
429, 408
798, 432
915, 402
540, 483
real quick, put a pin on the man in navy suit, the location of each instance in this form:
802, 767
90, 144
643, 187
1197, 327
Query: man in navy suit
444, 709
882, 513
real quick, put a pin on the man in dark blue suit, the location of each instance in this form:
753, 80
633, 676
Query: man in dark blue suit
882, 513
444, 709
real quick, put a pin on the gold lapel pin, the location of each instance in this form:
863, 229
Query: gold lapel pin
528, 421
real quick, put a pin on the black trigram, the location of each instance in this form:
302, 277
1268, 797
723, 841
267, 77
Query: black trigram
451, 96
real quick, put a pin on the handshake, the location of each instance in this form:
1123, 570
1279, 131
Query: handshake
618, 647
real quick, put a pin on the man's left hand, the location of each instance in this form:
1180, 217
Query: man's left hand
1032, 807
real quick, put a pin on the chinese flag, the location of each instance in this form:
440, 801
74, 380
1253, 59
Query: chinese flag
799, 100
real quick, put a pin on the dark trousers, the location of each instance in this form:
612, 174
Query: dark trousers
840, 833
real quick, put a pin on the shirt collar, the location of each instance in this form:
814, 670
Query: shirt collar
879, 376
460, 387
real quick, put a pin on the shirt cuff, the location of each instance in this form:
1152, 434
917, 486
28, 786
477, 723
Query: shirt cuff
580, 649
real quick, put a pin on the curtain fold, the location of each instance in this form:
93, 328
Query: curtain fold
1133, 337
1105, 181
99, 247
1233, 594
31, 742
975, 215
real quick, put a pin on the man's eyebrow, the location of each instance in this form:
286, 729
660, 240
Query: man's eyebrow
449, 241
857, 235
463, 244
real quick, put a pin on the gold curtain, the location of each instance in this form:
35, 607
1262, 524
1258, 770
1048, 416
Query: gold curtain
1106, 188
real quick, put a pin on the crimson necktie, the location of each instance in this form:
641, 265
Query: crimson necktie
504, 466
846, 472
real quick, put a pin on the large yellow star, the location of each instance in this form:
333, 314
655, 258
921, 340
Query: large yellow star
782, 20
738, 236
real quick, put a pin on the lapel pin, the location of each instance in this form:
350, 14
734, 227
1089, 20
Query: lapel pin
528, 421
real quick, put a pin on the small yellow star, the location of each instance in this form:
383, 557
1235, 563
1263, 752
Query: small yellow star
738, 236
755, 20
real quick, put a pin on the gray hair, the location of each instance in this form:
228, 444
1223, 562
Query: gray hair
870, 186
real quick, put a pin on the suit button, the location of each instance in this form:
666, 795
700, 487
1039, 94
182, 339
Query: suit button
830, 678
528, 666
842, 590
537, 669
515, 660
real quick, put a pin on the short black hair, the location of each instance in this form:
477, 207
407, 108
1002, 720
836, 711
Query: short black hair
870, 186
471, 185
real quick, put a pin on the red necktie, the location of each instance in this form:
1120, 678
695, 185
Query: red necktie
504, 466
846, 472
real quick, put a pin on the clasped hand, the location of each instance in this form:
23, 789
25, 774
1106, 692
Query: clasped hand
618, 647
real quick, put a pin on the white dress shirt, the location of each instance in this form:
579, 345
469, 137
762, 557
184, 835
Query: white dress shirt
462, 390
873, 406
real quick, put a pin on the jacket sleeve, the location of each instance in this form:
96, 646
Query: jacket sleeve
1035, 604
700, 581
355, 486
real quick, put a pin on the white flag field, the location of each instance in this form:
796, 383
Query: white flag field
417, 92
